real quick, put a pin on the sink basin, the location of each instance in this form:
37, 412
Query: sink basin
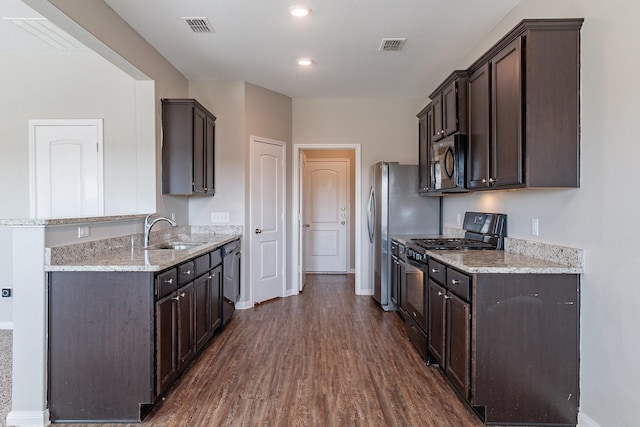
175, 246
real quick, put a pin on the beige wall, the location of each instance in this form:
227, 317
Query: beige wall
386, 129
351, 155
268, 115
602, 216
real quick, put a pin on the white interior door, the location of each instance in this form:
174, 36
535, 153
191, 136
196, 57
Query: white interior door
66, 168
326, 215
267, 219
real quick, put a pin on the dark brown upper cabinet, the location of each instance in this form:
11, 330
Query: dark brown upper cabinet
424, 143
524, 123
188, 145
449, 106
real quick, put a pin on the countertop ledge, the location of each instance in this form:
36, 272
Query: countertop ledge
519, 257
103, 256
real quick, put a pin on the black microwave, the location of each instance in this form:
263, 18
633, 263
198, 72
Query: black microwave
447, 164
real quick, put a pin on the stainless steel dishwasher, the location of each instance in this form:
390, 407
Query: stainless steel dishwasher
230, 279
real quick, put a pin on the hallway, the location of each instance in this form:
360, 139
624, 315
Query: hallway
323, 358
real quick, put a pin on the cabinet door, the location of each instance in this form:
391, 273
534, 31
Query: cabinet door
423, 152
437, 317
437, 132
458, 366
199, 144
209, 159
479, 128
215, 301
201, 327
166, 342
506, 97
186, 342
450, 108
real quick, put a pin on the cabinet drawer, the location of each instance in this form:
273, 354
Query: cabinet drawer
459, 283
166, 282
216, 257
186, 272
202, 264
437, 271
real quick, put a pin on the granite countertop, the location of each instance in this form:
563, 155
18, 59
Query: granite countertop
136, 258
474, 261
519, 257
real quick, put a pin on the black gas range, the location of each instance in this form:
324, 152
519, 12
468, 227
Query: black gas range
483, 231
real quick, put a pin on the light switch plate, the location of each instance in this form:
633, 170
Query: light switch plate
83, 231
534, 227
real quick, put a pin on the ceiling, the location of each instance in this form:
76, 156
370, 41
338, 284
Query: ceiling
258, 41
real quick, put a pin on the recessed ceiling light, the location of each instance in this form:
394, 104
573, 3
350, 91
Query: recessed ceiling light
299, 11
305, 61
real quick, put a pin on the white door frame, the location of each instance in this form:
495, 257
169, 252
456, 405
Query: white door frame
296, 207
249, 302
98, 123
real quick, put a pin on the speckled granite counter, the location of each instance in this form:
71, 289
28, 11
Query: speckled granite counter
126, 253
519, 257
472, 261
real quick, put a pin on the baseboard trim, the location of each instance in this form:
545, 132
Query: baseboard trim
586, 421
244, 305
29, 418
364, 292
6, 325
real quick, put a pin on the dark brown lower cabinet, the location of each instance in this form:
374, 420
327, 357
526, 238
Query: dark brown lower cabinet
458, 342
119, 340
509, 343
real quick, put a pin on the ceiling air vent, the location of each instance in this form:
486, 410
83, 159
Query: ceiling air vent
199, 25
392, 44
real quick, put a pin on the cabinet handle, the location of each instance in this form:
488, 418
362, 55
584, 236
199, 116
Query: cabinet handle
447, 297
484, 181
169, 281
493, 180
440, 293
211, 276
414, 314
177, 297
187, 273
455, 282
435, 270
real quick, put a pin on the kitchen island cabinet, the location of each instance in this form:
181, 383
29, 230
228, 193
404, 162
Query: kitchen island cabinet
524, 104
119, 339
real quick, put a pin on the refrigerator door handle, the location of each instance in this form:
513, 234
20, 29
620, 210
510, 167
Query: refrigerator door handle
371, 214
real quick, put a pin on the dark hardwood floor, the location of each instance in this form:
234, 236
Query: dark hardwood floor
323, 358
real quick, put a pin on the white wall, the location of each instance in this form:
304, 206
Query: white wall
73, 87
386, 128
602, 216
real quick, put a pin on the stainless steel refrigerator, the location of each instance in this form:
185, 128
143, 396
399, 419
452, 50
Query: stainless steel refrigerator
395, 208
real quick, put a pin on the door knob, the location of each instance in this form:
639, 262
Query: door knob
343, 223
258, 231
307, 225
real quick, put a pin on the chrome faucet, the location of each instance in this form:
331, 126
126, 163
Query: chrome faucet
148, 224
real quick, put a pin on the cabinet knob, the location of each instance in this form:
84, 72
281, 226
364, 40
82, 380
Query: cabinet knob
169, 281
447, 297
187, 273
484, 181
455, 282
211, 276
493, 180
435, 270
182, 295
440, 293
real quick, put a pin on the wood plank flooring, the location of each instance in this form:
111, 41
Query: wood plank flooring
323, 358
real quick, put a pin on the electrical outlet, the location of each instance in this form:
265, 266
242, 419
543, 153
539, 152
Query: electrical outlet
83, 231
534, 227
219, 217
6, 292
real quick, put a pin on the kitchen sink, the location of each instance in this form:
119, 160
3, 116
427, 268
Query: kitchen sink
174, 246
